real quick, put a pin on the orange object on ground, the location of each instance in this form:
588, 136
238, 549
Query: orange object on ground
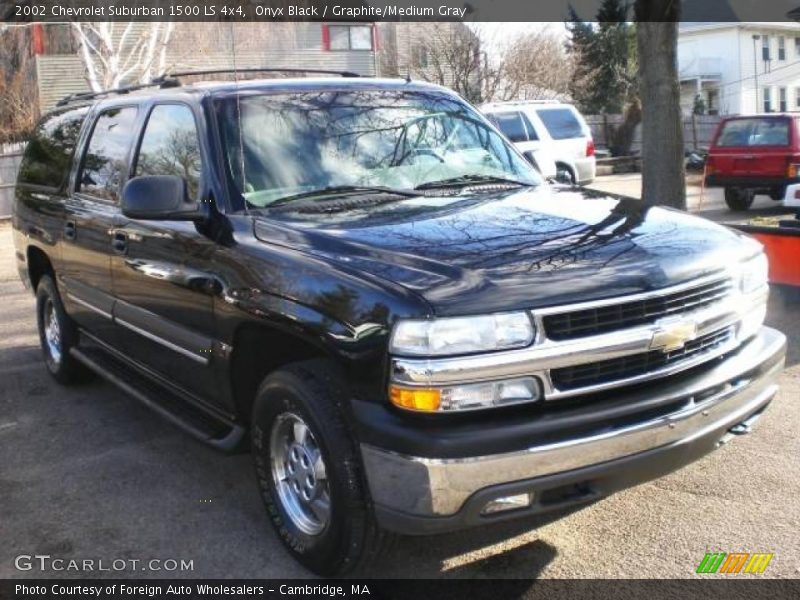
782, 245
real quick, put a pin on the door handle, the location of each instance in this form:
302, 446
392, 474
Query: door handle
70, 231
119, 242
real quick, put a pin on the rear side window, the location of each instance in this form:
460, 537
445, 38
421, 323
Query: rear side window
48, 155
170, 146
561, 123
104, 164
514, 125
754, 132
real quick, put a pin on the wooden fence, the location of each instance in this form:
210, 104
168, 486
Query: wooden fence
10, 157
697, 130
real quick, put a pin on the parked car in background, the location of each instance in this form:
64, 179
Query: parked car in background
552, 129
757, 154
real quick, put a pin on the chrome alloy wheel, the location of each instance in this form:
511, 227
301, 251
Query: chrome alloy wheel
52, 331
298, 472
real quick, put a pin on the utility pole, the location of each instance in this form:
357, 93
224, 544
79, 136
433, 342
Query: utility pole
756, 37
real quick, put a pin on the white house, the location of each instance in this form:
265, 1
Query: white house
740, 68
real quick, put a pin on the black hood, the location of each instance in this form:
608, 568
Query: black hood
522, 249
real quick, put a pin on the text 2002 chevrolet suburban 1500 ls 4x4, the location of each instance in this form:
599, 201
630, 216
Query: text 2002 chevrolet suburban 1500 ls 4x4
416, 333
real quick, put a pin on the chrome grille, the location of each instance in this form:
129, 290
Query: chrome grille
614, 317
598, 373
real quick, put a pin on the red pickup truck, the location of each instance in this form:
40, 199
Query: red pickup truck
757, 154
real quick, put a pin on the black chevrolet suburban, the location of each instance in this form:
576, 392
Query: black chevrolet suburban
363, 282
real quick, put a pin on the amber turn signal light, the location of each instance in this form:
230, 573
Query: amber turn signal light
422, 399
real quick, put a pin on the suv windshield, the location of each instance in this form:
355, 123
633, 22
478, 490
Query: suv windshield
283, 145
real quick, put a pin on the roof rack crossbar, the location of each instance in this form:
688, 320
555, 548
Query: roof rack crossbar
160, 82
256, 70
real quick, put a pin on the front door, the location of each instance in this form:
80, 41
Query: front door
162, 280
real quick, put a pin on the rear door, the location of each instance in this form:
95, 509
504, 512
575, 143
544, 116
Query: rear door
163, 282
516, 126
754, 146
90, 213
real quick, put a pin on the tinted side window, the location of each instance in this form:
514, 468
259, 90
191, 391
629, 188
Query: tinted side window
105, 162
561, 123
170, 146
512, 124
48, 155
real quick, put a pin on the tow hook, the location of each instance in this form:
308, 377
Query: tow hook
742, 428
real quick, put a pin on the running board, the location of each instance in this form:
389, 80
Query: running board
199, 424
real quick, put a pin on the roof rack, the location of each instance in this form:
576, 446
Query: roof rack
162, 82
255, 70
169, 80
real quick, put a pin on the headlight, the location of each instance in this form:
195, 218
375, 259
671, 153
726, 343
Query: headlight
753, 273
462, 335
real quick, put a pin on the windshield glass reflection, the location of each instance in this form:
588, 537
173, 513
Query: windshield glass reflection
281, 145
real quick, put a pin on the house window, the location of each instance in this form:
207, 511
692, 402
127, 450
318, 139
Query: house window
347, 37
782, 99
767, 99
781, 48
765, 47
713, 97
421, 58
797, 98
797, 46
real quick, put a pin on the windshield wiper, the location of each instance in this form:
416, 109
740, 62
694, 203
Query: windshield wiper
344, 189
470, 179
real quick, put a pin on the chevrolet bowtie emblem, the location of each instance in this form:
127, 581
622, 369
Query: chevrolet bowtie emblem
673, 336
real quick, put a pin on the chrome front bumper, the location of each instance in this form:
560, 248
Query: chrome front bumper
405, 488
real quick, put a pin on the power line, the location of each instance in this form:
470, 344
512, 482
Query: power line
753, 76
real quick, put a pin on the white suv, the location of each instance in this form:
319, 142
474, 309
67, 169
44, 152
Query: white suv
552, 132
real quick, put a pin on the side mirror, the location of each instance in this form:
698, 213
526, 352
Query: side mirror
159, 198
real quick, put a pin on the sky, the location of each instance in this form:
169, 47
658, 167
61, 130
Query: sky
496, 34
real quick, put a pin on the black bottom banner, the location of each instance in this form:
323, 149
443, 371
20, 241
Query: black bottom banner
506, 589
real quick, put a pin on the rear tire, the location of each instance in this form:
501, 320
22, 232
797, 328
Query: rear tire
309, 470
777, 194
565, 175
58, 334
738, 199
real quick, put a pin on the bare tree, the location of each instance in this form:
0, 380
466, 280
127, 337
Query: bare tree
448, 54
663, 175
118, 53
533, 66
18, 105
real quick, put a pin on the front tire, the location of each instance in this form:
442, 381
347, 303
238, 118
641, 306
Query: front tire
309, 470
738, 199
58, 334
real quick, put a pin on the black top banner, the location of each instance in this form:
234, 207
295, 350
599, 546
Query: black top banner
374, 10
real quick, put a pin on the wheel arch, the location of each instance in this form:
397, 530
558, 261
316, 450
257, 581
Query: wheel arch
569, 167
39, 264
260, 349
